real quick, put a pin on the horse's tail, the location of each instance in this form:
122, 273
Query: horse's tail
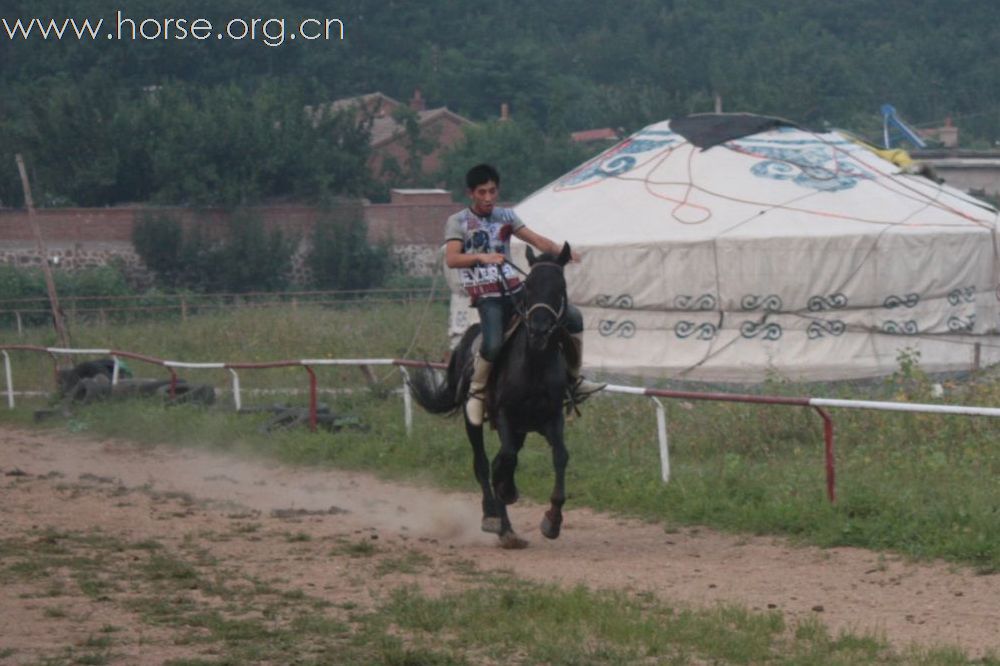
446, 395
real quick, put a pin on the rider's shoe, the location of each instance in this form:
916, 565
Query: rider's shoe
580, 389
474, 407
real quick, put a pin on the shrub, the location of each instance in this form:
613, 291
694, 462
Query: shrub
249, 258
342, 258
101, 281
16, 284
246, 258
158, 239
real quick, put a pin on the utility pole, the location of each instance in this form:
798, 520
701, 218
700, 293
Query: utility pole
50, 284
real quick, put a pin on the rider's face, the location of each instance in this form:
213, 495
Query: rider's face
484, 197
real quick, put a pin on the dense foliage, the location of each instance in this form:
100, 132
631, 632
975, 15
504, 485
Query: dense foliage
342, 258
525, 157
24, 296
244, 257
218, 121
90, 143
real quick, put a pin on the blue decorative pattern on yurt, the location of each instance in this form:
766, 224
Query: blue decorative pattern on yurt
819, 165
622, 158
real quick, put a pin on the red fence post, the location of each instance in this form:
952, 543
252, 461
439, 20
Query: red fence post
312, 398
831, 474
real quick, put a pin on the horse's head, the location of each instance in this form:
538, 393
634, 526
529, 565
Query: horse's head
544, 296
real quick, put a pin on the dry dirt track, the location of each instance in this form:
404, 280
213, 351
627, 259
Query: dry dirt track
930, 604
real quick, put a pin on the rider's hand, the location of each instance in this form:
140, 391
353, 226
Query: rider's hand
492, 258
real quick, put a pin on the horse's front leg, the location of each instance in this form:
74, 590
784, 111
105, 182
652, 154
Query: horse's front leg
481, 466
504, 488
552, 521
505, 462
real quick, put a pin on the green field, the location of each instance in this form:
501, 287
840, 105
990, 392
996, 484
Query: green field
918, 485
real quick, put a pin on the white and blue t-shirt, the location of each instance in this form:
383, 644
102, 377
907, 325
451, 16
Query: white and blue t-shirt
485, 235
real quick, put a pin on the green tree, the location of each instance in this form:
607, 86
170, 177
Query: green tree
419, 143
526, 158
220, 121
70, 133
251, 258
342, 258
159, 240
243, 256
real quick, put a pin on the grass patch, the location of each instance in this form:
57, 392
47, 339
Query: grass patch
55, 612
498, 619
509, 620
170, 570
410, 563
359, 548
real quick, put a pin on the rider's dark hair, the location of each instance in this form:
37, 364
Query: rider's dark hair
480, 175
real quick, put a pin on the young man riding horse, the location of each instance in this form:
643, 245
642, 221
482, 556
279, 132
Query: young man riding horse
477, 243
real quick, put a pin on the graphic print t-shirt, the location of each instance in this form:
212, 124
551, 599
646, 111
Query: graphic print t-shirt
484, 235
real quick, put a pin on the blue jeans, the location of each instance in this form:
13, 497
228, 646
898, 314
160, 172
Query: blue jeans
494, 317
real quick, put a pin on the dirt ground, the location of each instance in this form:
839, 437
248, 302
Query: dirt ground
136, 493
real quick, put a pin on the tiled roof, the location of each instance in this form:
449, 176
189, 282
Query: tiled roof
385, 128
601, 134
361, 101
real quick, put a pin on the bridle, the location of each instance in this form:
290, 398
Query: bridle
525, 313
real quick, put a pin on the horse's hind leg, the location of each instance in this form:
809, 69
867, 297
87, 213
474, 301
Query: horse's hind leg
481, 465
552, 521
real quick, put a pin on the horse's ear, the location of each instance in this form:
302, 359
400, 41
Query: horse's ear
565, 255
530, 254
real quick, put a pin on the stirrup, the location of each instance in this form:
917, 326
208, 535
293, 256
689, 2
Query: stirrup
584, 388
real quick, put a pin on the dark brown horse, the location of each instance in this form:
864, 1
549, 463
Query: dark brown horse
526, 393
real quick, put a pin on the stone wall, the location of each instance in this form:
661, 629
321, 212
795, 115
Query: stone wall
79, 255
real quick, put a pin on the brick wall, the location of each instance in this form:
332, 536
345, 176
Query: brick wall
83, 237
71, 225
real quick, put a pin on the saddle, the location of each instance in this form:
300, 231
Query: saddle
570, 400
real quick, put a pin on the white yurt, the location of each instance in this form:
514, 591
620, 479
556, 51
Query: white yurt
733, 247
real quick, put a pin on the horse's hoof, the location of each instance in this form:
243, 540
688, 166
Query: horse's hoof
551, 528
491, 524
510, 541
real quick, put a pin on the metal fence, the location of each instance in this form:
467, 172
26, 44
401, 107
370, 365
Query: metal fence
819, 405
22, 313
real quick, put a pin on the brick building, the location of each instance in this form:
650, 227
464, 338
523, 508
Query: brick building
389, 141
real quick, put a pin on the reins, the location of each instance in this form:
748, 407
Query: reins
515, 267
523, 312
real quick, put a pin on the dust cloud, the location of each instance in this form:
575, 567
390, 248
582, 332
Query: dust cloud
269, 489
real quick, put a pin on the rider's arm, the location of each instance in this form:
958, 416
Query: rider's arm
454, 257
541, 243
